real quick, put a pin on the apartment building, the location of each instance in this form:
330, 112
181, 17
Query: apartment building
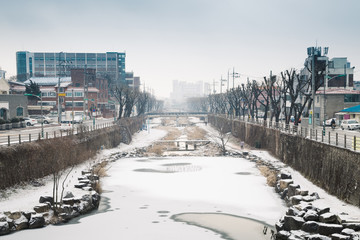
110, 65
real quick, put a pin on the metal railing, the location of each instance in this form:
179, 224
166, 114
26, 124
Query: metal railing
10, 139
348, 140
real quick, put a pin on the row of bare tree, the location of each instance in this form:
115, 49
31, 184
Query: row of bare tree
131, 100
289, 94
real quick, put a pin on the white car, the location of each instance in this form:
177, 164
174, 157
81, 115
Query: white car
30, 121
46, 120
328, 121
350, 124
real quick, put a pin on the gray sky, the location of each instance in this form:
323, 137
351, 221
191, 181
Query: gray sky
188, 40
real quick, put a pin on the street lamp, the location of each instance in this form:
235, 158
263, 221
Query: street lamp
41, 107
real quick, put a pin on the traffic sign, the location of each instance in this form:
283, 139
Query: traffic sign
62, 94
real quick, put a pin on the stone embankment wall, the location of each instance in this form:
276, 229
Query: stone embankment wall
29, 161
335, 169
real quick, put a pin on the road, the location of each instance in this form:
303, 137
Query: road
32, 133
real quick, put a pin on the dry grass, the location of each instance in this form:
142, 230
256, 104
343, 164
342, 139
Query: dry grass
269, 174
156, 149
173, 133
100, 169
195, 133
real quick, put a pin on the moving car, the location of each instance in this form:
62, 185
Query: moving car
350, 124
30, 121
46, 120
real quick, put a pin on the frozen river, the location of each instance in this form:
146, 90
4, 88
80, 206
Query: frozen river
156, 198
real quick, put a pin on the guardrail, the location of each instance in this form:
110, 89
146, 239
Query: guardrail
332, 137
10, 139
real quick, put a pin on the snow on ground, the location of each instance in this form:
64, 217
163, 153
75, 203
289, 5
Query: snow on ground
142, 193
326, 200
25, 197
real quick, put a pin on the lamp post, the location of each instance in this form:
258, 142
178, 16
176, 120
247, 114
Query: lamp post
41, 109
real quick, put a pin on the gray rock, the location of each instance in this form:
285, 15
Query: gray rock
36, 221
337, 236
298, 191
14, 215
315, 194
310, 227
27, 214
284, 193
285, 175
354, 226
295, 200
80, 185
21, 223
68, 194
41, 208
282, 235
292, 189
318, 237
293, 223
328, 218
284, 183
309, 198
279, 225
44, 199
311, 215
323, 210
292, 211
297, 235
69, 201
328, 229
4, 228
347, 231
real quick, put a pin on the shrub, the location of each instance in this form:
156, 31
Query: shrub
15, 120
2, 121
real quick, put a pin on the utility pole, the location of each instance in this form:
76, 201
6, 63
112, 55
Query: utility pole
270, 97
313, 87
234, 75
58, 90
227, 87
221, 83
214, 86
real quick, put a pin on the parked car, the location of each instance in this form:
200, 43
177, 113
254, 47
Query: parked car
78, 119
44, 119
30, 121
350, 124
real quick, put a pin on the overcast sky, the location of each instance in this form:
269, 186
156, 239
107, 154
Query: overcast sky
187, 40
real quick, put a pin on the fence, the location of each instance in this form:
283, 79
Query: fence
332, 137
10, 139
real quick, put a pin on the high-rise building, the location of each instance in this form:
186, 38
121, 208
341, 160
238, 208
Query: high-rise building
110, 65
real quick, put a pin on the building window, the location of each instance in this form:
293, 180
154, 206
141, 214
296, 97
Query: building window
351, 98
19, 111
78, 94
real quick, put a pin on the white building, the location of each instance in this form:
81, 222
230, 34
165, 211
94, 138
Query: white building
183, 90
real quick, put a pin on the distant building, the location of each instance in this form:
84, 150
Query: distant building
338, 76
183, 90
110, 65
132, 81
83, 93
2, 74
357, 85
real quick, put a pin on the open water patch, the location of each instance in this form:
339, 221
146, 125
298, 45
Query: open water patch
230, 227
243, 173
150, 170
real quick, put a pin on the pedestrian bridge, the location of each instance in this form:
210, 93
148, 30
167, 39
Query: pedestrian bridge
176, 114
